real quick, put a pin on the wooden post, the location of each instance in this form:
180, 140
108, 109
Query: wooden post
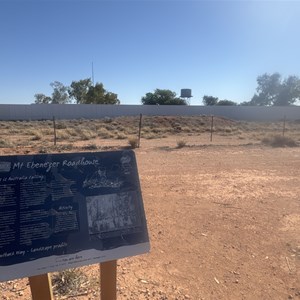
54, 130
41, 288
140, 130
211, 128
108, 279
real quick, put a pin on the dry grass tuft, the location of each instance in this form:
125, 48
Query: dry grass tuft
90, 147
72, 132
37, 136
87, 134
61, 125
121, 136
62, 135
105, 133
133, 142
5, 144
47, 131
70, 283
181, 144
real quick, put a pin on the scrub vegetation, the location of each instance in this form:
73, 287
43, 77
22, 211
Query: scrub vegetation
106, 133
222, 206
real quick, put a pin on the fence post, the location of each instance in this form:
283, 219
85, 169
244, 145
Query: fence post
211, 128
283, 129
54, 130
140, 130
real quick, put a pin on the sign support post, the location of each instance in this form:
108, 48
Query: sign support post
41, 288
108, 279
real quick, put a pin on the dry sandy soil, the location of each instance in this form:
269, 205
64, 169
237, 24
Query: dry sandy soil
224, 223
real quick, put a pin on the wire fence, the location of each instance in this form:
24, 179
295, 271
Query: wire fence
141, 131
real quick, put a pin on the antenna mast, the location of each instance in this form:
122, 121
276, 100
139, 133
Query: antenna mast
93, 73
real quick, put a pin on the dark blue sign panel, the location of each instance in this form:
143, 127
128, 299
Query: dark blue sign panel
59, 211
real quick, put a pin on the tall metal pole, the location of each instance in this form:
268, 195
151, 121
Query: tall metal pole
93, 73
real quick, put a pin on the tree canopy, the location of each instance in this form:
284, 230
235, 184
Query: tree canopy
82, 92
42, 99
210, 101
162, 97
59, 95
79, 89
98, 95
226, 103
273, 90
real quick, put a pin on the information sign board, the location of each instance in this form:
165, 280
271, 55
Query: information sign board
59, 211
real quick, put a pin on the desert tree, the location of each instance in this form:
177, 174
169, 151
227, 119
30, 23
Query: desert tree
210, 100
42, 99
98, 95
78, 90
162, 97
273, 90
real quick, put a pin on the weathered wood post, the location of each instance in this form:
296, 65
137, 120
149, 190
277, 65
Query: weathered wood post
41, 287
108, 280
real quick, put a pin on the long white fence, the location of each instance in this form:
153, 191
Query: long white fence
90, 111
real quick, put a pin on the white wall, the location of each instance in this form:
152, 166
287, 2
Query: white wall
90, 111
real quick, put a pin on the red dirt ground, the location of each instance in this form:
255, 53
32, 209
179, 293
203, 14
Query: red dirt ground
224, 223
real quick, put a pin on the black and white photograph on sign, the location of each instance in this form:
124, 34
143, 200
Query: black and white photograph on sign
61, 211
113, 215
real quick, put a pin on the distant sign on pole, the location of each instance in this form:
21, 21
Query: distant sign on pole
59, 211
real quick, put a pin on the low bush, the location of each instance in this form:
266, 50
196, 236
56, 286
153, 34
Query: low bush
73, 131
121, 136
150, 136
133, 142
279, 141
90, 147
4, 144
105, 134
181, 144
37, 136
